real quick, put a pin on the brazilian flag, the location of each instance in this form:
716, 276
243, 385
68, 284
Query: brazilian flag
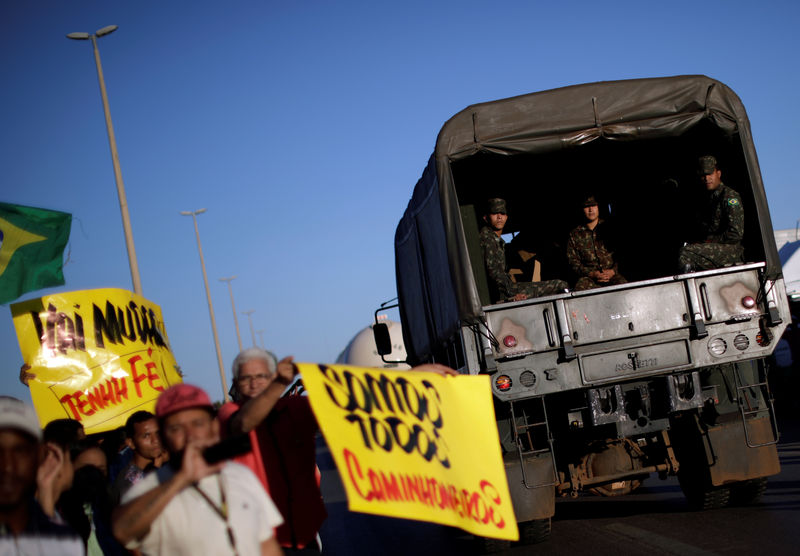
32, 242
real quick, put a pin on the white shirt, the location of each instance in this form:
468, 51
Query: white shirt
189, 525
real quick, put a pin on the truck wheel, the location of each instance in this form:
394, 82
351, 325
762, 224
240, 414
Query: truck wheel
747, 492
706, 497
534, 531
492, 546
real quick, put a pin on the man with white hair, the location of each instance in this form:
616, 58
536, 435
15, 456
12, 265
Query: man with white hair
282, 431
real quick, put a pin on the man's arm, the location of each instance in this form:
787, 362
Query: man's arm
270, 547
494, 257
132, 520
436, 368
734, 231
256, 409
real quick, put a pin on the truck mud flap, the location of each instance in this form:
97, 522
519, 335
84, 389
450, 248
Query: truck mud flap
721, 452
734, 460
531, 503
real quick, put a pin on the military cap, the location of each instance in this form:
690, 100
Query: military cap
589, 201
496, 206
706, 165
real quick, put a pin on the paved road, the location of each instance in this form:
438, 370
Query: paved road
655, 520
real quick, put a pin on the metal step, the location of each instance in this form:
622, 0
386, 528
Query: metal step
527, 430
745, 395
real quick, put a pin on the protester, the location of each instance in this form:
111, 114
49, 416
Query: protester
119, 454
141, 431
190, 506
24, 527
61, 437
282, 430
87, 505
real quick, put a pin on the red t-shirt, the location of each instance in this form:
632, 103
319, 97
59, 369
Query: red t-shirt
284, 448
251, 459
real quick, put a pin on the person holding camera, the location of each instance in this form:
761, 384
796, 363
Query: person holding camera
190, 506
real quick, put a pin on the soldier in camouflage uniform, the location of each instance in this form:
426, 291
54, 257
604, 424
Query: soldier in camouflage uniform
494, 255
587, 253
721, 224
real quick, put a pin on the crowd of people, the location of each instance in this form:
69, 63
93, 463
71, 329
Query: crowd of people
153, 488
186, 479
717, 242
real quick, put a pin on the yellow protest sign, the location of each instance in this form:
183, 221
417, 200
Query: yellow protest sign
414, 445
98, 355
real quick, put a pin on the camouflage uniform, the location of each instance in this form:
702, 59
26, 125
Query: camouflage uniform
494, 255
722, 225
586, 252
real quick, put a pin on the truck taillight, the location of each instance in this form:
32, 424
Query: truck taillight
503, 382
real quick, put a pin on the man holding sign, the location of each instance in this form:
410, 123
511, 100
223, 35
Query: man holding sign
94, 356
415, 445
283, 432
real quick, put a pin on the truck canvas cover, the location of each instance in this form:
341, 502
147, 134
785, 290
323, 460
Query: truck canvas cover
435, 280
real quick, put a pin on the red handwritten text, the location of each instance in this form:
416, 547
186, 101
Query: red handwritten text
113, 391
380, 486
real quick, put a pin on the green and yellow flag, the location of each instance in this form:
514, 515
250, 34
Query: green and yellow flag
32, 242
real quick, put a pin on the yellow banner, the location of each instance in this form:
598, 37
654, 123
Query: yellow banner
415, 445
98, 355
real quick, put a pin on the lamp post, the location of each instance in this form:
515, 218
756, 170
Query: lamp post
233, 306
123, 202
261, 338
250, 320
194, 214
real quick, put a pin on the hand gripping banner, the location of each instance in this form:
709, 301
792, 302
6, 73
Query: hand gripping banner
97, 355
415, 445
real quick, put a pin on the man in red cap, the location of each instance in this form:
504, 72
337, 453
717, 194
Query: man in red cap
190, 506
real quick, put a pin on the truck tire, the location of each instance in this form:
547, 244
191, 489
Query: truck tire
747, 492
705, 497
487, 545
534, 531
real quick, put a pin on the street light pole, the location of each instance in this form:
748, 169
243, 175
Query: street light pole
233, 306
250, 320
123, 202
194, 214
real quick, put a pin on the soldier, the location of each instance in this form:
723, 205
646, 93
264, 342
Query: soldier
721, 224
494, 255
587, 252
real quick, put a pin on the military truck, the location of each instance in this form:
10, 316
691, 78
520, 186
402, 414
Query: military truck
596, 390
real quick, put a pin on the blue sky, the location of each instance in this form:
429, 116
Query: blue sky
302, 127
